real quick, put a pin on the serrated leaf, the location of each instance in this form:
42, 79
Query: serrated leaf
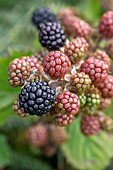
84, 152
5, 152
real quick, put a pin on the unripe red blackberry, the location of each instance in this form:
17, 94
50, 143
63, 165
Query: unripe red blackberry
68, 102
37, 98
52, 36
96, 69
19, 111
109, 50
106, 87
76, 49
63, 119
56, 64
19, 70
104, 103
38, 135
106, 25
102, 55
79, 82
82, 99
58, 135
89, 124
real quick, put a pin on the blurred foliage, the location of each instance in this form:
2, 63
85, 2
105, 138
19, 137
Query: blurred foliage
16, 30
88, 153
18, 34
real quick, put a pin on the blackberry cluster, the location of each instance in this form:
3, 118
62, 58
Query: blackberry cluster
69, 78
52, 35
46, 136
36, 98
42, 15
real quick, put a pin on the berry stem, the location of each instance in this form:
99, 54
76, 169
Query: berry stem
100, 38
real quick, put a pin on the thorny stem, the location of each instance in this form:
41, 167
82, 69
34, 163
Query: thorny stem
100, 38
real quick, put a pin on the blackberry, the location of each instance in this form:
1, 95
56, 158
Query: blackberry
20, 69
68, 102
89, 124
107, 4
56, 64
76, 49
106, 86
52, 35
102, 55
104, 103
96, 69
38, 135
82, 99
42, 15
106, 25
79, 82
58, 135
63, 119
106, 122
36, 98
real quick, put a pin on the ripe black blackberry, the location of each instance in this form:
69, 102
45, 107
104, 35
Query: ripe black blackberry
42, 15
36, 98
52, 35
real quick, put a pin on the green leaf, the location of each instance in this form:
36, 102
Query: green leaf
5, 152
84, 152
27, 162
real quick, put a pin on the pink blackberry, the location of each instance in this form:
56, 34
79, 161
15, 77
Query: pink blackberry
56, 64
79, 82
58, 135
76, 49
89, 124
96, 69
68, 24
102, 55
82, 29
68, 102
106, 25
38, 135
104, 103
20, 69
106, 86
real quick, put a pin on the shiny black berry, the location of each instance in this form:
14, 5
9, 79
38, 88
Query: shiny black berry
37, 98
52, 35
42, 15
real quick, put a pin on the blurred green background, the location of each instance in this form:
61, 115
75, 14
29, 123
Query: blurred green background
19, 37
